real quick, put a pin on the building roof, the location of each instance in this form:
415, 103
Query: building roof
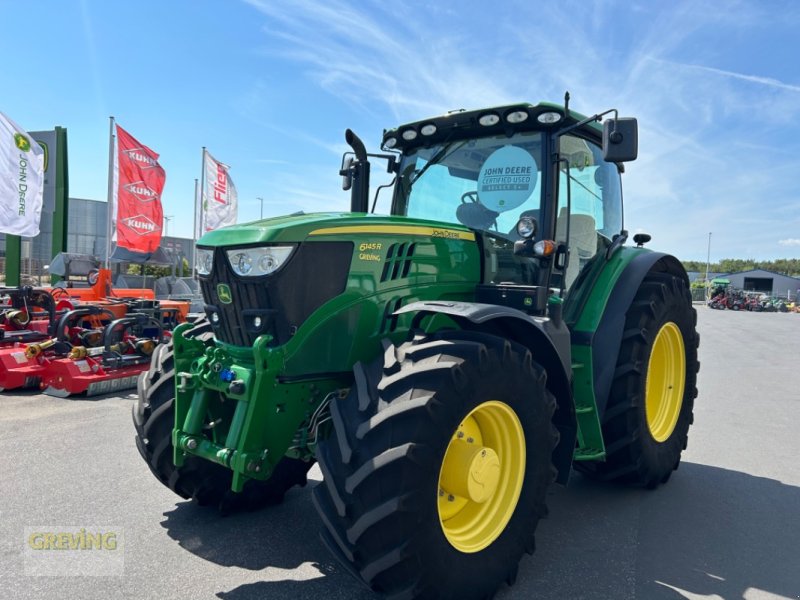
761, 271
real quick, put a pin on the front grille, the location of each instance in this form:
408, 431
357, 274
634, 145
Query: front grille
315, 273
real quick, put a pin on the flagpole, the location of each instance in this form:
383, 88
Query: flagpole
194, 222
194, 228
110, 215
202, 187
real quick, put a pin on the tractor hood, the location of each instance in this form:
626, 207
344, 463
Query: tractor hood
296, 228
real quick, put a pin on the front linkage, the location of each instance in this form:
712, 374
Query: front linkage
267, 418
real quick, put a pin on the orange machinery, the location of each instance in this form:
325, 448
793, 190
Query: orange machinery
102, 294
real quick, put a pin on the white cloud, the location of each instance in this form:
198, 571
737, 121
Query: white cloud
704, 164
790, 242
362, 56
767, 81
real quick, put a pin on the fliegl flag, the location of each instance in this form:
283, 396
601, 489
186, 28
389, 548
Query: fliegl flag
137, 214
220, 200
21, 180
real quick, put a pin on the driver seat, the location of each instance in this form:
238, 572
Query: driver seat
582, 241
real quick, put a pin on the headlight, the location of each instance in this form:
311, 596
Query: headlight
205, 261
548, 118
242, 263
428, 129
518, 116
255, 262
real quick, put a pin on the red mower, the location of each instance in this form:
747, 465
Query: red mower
110, 366
24, 365
26, 315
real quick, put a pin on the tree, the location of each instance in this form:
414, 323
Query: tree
783, 266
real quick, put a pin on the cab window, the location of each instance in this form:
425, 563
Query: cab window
595, 209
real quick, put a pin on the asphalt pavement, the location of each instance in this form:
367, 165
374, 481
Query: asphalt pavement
727, 524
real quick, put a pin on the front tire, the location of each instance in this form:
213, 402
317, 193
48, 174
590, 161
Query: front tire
649, 409
436, 470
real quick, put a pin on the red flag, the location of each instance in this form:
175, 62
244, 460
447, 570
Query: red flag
137, 212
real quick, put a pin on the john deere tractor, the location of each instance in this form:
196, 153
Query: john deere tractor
443, 364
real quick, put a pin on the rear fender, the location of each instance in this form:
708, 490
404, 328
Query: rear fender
601, 321
549, 346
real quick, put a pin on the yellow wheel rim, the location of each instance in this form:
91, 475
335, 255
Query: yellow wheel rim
666, 376
481, 476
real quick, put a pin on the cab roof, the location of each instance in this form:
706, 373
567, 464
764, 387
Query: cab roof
497, 120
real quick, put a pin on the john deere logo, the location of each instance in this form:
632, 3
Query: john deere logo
22, 142
224, 293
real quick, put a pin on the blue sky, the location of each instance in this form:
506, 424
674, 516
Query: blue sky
269, 86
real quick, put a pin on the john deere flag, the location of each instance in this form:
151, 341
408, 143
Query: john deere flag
136, 202
21, 180
220, 200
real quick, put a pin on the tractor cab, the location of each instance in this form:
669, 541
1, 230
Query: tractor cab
539, 184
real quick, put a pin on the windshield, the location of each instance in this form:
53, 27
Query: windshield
485, 184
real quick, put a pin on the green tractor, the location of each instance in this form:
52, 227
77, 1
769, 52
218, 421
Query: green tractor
444, 364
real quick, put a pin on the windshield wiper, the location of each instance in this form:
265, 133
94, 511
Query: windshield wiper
581, 184
436, 159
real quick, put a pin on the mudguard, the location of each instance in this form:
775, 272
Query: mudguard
548, 342
596, 314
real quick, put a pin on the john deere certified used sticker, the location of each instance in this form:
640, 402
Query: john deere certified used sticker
224, 293
507, 179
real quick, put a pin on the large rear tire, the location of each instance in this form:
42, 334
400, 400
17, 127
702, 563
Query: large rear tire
649, 410
203, 481
436, 470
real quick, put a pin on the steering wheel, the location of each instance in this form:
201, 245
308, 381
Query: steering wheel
469, 196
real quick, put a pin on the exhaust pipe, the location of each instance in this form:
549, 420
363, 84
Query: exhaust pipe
358, 172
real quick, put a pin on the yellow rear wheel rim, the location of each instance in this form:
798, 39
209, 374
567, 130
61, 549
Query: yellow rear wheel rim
666, 375
481, 476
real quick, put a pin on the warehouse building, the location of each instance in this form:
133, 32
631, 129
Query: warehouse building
767, 282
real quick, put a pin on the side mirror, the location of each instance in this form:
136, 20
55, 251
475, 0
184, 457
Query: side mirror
347, 173
620, 140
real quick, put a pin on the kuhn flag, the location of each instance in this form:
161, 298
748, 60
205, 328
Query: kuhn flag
21, 180
220, 201
136, 202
